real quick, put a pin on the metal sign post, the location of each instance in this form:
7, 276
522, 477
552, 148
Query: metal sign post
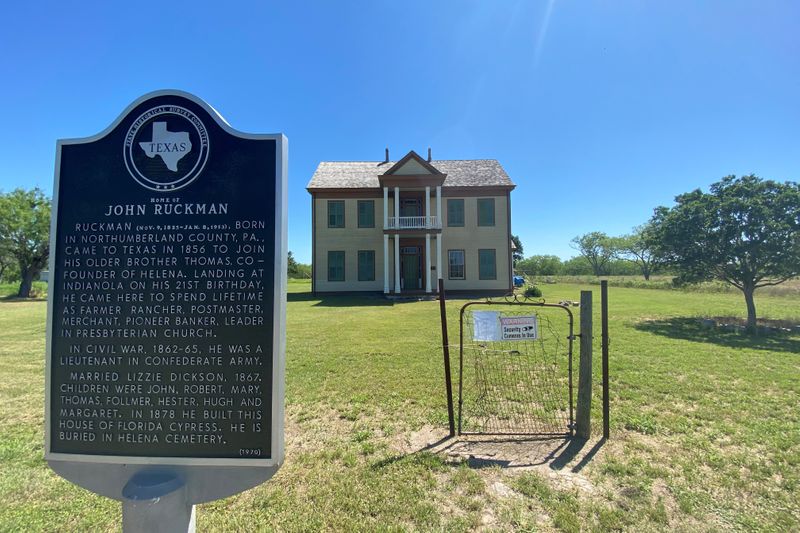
166, 310
583, 412
604, 340
446, 352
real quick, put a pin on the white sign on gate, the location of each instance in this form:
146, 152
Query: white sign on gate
487, 326
491, 326
518, 328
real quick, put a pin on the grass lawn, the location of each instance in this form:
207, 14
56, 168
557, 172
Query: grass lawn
705, 428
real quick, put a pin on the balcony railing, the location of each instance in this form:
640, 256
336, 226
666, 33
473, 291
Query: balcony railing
413, 223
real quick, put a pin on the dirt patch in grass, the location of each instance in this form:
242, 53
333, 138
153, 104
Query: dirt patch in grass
309, 431
425, 438
560, 460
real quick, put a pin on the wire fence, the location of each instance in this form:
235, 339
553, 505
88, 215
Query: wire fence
519, 386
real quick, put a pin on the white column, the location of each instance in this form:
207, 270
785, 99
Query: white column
396, 263
427, 262
439, 265
427, 205
439, 209
385, 207
385, 262
397, 207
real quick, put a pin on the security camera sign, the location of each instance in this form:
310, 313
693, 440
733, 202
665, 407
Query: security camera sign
518, 328
492, 326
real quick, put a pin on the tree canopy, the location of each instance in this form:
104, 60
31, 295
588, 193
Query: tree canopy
297, 270
8, 264
641, 247
25, 233
744, 231
517, 254
598, 248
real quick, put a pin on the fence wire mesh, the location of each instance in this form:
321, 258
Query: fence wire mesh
518, 387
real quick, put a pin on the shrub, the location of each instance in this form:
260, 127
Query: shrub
532, 291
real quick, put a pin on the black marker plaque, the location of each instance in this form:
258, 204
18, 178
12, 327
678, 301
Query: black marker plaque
163, 288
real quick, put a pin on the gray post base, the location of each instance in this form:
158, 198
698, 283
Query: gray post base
156, 502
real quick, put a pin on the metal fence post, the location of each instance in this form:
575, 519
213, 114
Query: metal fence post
584, 408
604, 326
448, 382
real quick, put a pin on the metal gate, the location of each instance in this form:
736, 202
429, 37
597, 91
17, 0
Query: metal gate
515, 368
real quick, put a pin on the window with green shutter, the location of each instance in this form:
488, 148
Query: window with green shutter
455, 212
335, 213
366, 265
486, 211
487, 266
335, 266
366, 213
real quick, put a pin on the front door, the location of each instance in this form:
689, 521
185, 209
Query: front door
410, 268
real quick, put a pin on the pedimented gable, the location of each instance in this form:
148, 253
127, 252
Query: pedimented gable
411, 167
412, 171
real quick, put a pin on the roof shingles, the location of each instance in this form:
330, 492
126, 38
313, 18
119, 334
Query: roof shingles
364, 174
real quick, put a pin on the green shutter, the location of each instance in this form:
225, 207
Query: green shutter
455, 212
335, 213
366, 213
487, 268
335, 266
366, 265
486, 211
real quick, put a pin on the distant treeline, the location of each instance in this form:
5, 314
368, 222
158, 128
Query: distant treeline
552, 265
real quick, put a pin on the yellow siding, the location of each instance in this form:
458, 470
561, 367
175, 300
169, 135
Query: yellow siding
349, 239
470, 238
411, 167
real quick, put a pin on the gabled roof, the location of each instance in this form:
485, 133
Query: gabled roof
365, 174
412, 157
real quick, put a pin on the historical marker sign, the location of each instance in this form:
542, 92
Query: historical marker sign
166, 317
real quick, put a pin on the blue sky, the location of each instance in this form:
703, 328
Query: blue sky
598, 110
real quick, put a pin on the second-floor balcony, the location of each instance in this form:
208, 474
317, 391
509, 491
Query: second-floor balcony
413, 223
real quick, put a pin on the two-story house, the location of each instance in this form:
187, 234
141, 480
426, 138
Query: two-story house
398, 227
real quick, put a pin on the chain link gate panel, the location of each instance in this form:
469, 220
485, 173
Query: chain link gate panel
515, 369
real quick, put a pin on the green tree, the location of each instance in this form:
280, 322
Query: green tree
25, 233
540, 265
291, 265
516, 254
745, 231
641, 247
576, 266
622, 267
598, 248
297, 270
7, 265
